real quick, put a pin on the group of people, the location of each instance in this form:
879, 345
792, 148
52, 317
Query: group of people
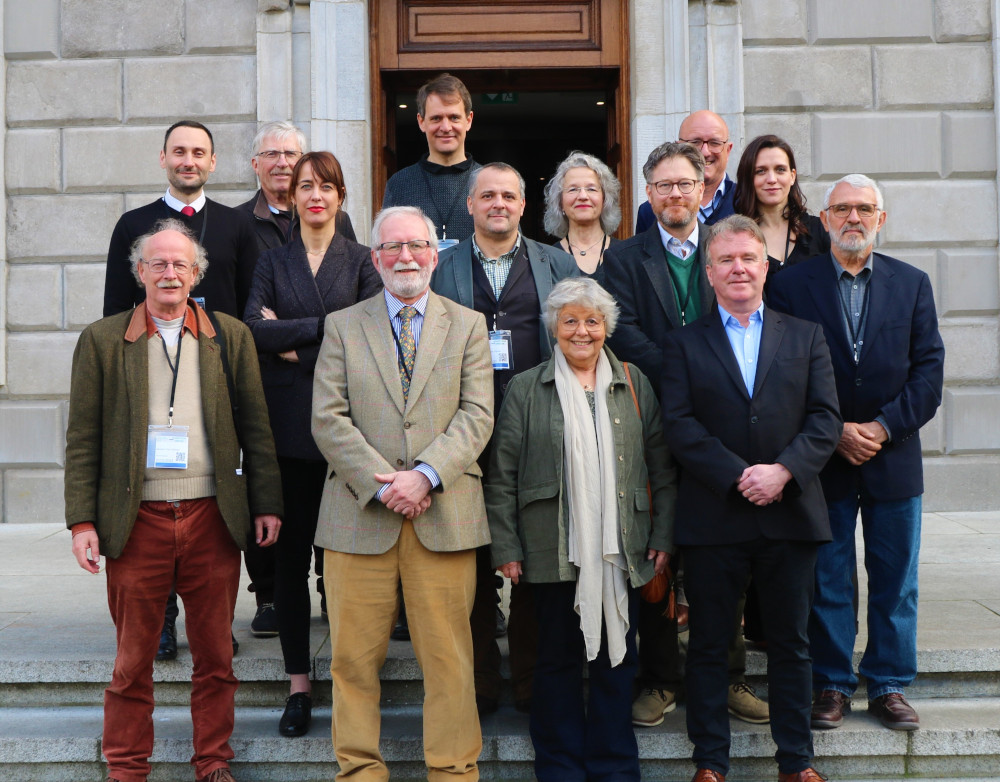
667, 402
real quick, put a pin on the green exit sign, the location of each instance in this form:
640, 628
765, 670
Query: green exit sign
499, 97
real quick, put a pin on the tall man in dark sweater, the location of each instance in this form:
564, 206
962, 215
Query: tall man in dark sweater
506, 276
438, 183
188, 157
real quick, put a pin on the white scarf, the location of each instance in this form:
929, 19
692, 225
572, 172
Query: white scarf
595, 545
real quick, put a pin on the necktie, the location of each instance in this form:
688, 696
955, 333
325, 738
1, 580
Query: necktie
407, 348
187, 211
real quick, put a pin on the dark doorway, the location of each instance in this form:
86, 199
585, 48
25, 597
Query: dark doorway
529, 119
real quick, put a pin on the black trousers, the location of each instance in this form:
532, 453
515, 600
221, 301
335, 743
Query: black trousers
302, 487
715, 581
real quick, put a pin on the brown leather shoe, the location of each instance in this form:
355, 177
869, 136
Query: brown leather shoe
809, 775
894, 712
707, 775
829, 708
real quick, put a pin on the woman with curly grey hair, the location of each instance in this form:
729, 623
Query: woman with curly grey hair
581, 209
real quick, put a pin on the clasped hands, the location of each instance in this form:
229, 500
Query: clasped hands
408, 492
860, 442
763, 484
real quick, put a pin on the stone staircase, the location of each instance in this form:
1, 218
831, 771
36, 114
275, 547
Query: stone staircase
57, 648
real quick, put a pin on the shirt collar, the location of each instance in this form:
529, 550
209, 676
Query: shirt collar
176, 204
436, 168
671, 240
756, 315
394, 305
190, 322
510, 254
841, 271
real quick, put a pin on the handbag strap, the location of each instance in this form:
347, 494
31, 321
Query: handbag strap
671, 610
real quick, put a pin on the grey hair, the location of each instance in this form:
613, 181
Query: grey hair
856, 181
281, 130
474, 181
579, 292
556, 222
167, 224
734, 224
672, 149
399, 211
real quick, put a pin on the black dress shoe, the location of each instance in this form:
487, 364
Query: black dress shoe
236, 644
486, 705
168, 641
297, 717
501, 630
401, 632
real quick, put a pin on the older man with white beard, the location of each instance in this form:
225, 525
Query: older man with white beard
402, 406
888, 358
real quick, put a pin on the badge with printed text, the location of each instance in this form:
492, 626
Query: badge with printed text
501, 349
167, 447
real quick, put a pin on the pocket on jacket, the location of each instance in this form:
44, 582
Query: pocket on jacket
540, 491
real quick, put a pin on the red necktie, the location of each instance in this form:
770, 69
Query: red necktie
187, 211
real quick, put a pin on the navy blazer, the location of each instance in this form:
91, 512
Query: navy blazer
636, 274
284, 282
715, 429
899, 376
453, 277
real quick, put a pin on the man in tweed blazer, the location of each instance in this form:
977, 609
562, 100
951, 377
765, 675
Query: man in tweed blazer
402, 406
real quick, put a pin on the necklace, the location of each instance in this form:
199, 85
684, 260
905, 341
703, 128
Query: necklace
583, 252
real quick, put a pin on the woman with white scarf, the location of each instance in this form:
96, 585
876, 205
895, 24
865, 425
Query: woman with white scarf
575, 466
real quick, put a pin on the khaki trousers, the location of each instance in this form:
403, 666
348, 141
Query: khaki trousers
361, 595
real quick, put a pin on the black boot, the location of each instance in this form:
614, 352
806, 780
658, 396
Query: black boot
168, 641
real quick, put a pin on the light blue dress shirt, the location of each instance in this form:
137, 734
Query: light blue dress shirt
745, 343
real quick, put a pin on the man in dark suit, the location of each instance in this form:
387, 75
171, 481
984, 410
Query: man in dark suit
750, 413
660, 285
879, 318
707, 132
506, 276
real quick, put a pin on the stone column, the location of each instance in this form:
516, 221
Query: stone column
341, 97
686, 55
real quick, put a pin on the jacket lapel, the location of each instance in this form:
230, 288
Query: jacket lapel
879, 297
715, 333
378, 334
770, 340
331, 271
823, 291
655, 264
432, 337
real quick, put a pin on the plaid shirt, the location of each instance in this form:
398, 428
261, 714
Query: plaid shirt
497, 269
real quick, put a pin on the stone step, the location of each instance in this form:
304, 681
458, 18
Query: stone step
951, 673
959, 739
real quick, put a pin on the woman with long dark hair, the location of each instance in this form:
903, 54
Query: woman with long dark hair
767, 191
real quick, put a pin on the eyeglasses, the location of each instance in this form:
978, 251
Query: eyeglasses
590, 324
158, 266
291, 155
844, 210
590, 190
712, 143
416, 247
664, 187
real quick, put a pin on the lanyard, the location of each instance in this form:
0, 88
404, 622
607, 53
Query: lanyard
437, 207
855, 334
175, 368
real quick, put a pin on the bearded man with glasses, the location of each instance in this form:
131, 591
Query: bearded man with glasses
879, 318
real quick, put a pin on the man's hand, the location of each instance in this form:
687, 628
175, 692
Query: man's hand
84, 542
512, 570
860, 442
406, 493
763, 484
266, 523
660, 560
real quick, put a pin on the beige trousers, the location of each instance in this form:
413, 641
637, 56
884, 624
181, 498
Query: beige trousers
361, 596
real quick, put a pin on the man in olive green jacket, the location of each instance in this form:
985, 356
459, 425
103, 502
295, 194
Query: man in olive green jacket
154, 481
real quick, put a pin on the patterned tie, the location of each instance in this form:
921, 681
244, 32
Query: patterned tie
188, 211
407, 348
